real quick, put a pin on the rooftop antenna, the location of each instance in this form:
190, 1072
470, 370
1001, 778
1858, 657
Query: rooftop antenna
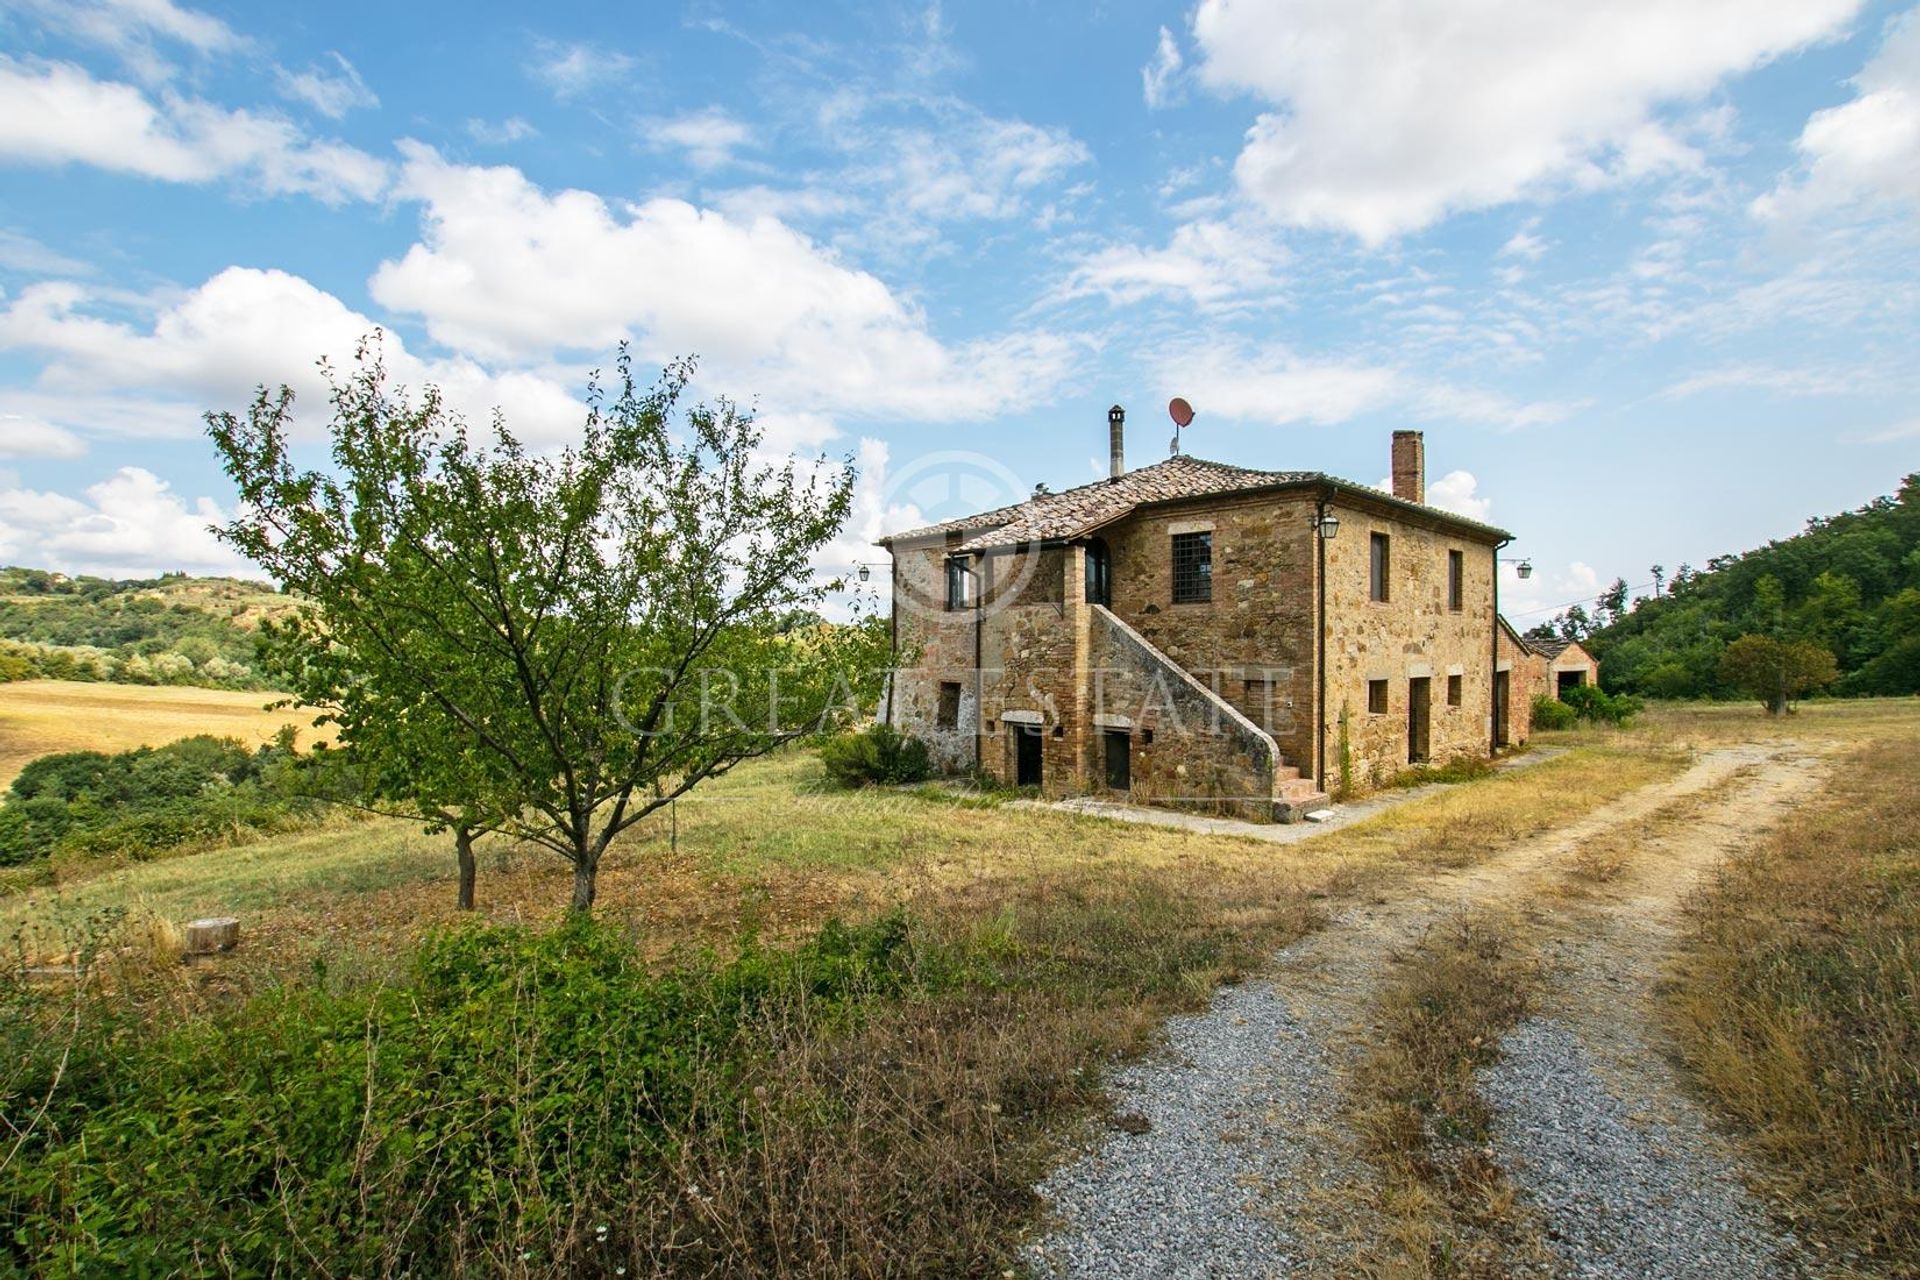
1182, 414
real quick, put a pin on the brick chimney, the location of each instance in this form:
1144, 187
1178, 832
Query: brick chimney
1116, 439
1409, 466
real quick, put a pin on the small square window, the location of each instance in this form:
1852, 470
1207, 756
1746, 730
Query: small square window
1456, 575
1380, 549
1453, 691
1259, 701
949, 716
1377, 697
1192, 568
959, 584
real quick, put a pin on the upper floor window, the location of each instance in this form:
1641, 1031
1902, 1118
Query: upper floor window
1192, 568
1380, 547
959, 584
1099, 572
1456, 575
949, 711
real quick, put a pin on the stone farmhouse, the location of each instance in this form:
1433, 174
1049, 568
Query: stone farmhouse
1534, 667
1199, 634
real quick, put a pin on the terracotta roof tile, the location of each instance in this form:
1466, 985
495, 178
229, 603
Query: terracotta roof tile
1074, 512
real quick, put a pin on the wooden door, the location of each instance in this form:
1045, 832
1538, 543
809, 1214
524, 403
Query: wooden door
1501, 692
1419, 719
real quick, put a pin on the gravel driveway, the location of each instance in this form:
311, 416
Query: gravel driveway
1231, 1157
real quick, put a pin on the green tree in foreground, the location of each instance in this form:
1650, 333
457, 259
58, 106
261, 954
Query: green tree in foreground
549, 645
1776, 671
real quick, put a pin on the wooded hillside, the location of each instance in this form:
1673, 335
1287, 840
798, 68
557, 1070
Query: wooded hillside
168, 630
1848, 583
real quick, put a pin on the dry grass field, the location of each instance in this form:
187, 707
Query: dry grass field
942, 1108
38, 717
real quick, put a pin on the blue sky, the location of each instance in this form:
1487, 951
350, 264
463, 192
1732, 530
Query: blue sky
1644, 272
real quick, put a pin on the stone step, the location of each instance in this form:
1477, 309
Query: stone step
1285, 773
1296, 798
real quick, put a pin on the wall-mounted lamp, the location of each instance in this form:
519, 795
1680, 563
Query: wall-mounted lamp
1526, 566
1326, 522
865, 573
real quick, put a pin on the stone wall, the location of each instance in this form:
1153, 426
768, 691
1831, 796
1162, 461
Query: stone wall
1413, 634
1047, 656
1526, 676
932, 646
1033, 649
1252, 643
1189, 747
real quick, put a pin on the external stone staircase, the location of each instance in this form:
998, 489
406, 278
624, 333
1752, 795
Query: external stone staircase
1292, 796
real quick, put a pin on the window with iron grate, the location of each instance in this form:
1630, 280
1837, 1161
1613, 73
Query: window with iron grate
1192, 568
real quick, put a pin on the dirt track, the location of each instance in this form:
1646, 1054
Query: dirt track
1618, 1172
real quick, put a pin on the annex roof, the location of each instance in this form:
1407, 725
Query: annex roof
1073, 513
1555, 647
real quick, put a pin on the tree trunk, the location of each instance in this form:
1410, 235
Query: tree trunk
585, 883
463, 849
220, 933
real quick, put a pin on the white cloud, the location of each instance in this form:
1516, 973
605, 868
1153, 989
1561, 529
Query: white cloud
1212, 263
1276, 385
1908, 430
1525, 244
1448, 401
130, 525
510, 272
1459, 492
512, 129
212, 346
708, 137
331, 91
20, 252
1389, 117
1784, 380
1866, 149
1160, 80
571, 69
24, 437
133, 30
57, 113
963, 164
983, 170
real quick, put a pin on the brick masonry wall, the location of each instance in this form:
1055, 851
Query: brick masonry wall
1253, 642
1200, 755
1414, 633
932, 646
1526, 674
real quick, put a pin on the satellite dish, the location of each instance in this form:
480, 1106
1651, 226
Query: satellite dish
1180, 411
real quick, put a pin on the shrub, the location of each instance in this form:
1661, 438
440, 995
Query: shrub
1596, 706
90, 804
519, 1089
880, 754
1551, 713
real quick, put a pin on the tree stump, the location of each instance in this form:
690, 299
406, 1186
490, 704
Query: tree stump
218, 933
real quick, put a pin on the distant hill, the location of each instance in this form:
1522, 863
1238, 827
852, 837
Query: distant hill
1850, 583
173, 629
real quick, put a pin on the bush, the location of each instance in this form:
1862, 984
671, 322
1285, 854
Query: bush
1551, 713
520, 1089
90, 804
1596, 706
879, 755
